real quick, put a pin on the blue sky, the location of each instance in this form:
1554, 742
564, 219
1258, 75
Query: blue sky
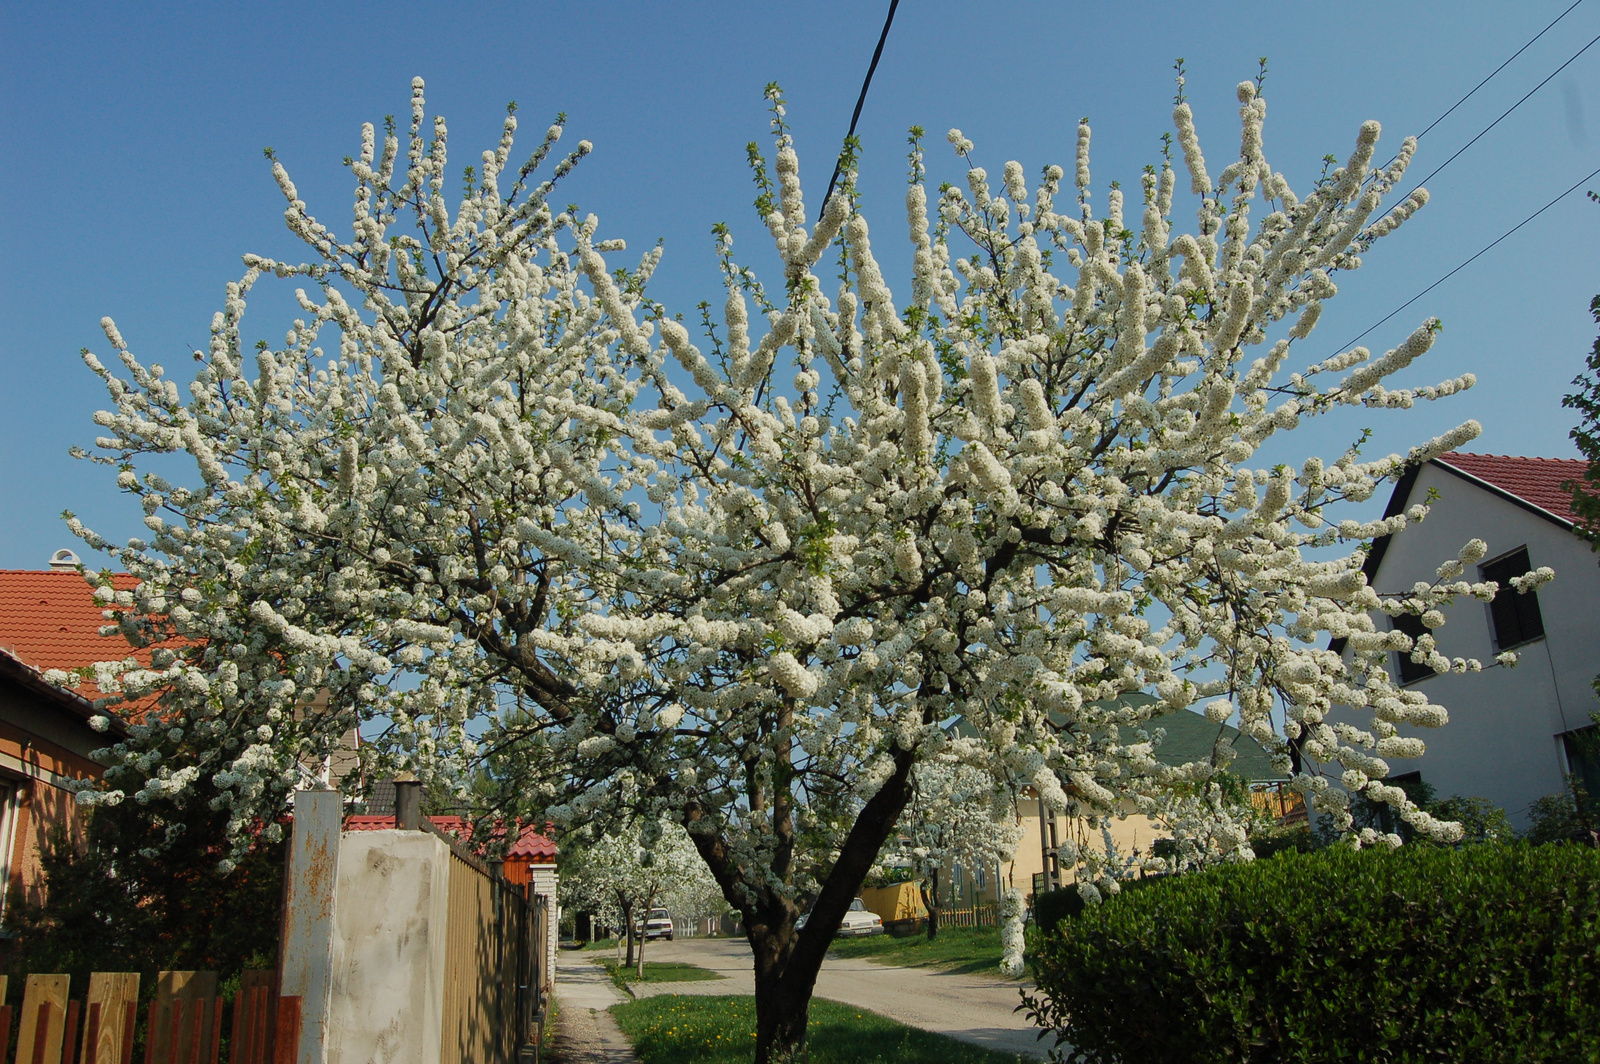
135, 180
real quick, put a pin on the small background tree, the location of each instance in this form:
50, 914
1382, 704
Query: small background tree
619, 877
958, 815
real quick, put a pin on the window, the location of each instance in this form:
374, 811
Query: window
1582, 748
1515, 618
1410, 671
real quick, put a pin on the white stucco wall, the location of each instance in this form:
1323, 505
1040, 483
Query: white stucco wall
389, 948
546, 881
1502, 740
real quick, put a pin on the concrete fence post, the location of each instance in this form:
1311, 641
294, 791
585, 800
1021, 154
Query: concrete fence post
391, 949
308, 921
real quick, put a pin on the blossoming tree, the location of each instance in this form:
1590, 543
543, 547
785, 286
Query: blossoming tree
502, 507
958, 815
624, 874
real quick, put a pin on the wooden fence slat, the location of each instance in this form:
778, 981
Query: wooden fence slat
266, 1025
111, 995
173, 1035
130, 1019
69, 1035
41, 1034
216, 1030
197, 990
150, 1029
286, 1038
252, 1019
197, 1028
43, 1019
5, 1027
91, 1033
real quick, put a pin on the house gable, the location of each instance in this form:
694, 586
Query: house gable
1503, 739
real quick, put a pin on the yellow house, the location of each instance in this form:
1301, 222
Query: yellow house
1190, 737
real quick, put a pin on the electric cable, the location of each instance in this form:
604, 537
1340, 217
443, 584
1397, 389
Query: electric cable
1499, 68
861, 99
1481, 252
1506, 114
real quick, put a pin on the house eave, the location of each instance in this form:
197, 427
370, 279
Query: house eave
29, 678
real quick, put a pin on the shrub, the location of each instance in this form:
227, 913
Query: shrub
1570, 816
1486, 953
1051, 907
144, 893
1054, 906
1480, 819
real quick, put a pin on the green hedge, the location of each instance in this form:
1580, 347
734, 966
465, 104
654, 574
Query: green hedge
1488, 953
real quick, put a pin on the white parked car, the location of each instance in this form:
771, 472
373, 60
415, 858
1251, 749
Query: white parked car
857, 921
658, 924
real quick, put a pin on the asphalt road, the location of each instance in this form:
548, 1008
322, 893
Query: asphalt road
973, 1008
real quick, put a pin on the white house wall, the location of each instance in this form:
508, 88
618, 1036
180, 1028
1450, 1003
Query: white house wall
1502, 739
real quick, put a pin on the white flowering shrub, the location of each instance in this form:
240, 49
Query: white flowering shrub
502, 507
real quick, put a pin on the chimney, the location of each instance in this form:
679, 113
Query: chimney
64, 561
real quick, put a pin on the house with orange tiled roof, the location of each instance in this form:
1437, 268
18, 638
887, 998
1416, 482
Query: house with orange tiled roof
1514, 734
48, 620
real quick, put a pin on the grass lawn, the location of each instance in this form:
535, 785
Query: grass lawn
966, 950
659, 972
601, 943
671, 1029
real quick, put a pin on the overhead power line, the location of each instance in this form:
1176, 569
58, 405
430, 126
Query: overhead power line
1480, 253
861, 99
1499, 68
1487, 248
1508, 111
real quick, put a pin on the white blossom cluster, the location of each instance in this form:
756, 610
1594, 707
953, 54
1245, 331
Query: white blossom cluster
498, 504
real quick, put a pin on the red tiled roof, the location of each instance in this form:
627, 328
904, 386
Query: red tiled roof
50, 619
1533, 480
530, 845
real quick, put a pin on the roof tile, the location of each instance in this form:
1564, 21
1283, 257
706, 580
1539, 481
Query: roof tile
538, 848
1534, 480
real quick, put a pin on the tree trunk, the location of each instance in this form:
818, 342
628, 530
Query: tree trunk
783, 1005
787, 961
930, 901
627, 923
649, 903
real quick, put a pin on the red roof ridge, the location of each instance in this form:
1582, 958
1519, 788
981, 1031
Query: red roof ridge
1509, 457
1527, 479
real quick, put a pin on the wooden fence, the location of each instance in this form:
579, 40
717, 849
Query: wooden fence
184, 1021
494, 963
977, 916
1279, 801
486, 1000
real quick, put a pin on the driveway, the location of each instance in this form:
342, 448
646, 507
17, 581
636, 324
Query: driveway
973, 1008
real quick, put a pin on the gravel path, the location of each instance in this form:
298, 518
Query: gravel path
585, 1032
973, 1008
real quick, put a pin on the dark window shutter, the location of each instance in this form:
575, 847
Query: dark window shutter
1516, 617
1411, 625
1583, 758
